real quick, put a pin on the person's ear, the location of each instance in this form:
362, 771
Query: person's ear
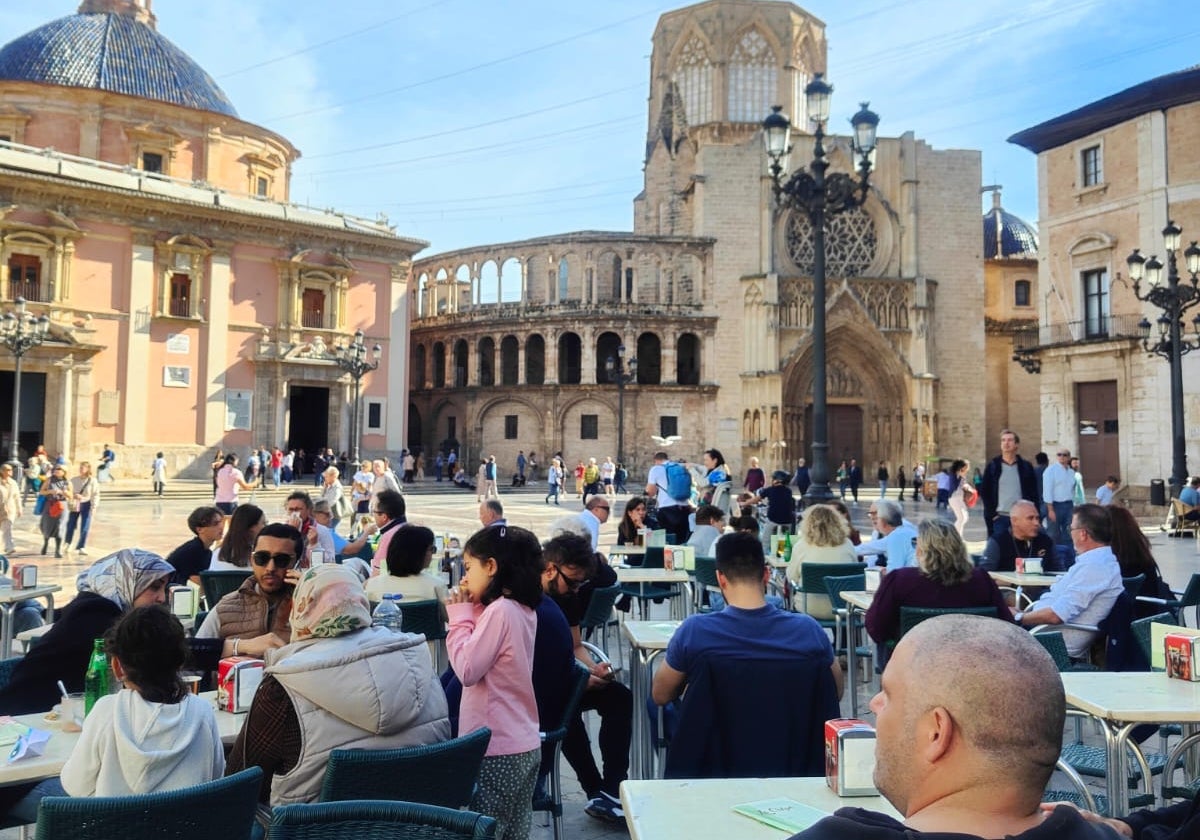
490, 567
936, 732
118, 669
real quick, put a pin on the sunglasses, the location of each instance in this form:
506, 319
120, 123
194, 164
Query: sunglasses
282, 561
571, 584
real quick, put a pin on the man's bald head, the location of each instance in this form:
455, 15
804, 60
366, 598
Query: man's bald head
1025, 520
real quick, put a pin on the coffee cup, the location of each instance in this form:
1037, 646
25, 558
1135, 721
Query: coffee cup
191, 682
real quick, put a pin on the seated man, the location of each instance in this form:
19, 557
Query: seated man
342, 684
1107, 491
254, 619
953, 753
1026, 539
195, 555
710, 524
781, 505
299, 507
897, 540
1190, 496
747, 628
1087, 592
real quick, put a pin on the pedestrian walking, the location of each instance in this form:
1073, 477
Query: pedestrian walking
158, 475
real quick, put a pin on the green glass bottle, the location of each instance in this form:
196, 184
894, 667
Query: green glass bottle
787, 548
95, 682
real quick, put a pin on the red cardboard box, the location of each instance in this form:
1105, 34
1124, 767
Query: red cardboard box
1180, 656
850, 757
238, 678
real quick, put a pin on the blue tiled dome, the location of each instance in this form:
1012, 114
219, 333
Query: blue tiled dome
112, 52
1005, 235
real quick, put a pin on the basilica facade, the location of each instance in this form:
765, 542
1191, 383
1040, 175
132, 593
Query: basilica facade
711, 290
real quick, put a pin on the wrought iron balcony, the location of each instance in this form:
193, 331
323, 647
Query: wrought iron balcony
1030, 341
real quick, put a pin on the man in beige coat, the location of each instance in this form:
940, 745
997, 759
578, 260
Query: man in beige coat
10, 505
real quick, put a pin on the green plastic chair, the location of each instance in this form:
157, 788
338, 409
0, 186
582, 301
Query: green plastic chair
812, 585
550, 801
654, 558
435, 774
425, 616
705, 575
222, 808
377, 820
910, 617
1133, 585
599, 615
1188, 599
217, 584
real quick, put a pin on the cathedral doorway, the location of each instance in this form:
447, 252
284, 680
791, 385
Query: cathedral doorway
845, 434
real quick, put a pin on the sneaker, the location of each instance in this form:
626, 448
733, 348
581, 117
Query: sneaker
606, 807
81, 551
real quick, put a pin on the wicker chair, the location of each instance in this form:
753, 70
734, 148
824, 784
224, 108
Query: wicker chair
222, 808
377, 820
436, 774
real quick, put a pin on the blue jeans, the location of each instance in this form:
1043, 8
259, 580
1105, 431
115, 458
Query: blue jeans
26, 809
1060, 529
554, 488
82, 517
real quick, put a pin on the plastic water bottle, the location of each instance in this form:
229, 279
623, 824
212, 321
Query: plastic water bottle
95, 681
387, 613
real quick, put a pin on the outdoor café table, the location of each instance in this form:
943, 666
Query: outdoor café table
1020, 581
664, 809
1123, 700
612, 551
50, 763
647, 639
9, 598
678, 577
856, 602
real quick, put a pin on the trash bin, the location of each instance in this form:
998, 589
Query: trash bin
1158, 492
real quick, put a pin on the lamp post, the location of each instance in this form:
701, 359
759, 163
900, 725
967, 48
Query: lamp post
622, 373
818, 195
352, 358
20, 332
1174, 299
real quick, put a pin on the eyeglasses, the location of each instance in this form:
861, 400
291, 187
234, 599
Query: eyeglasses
281, 560
602, 507
572, 584
1064, 454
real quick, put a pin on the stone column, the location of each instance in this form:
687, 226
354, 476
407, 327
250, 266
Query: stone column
213, 351
136, 337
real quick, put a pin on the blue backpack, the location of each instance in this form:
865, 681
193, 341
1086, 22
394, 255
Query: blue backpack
679, 482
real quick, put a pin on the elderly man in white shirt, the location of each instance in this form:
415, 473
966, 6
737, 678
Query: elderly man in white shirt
1058, 493
898, 539
595, 514
1087, 592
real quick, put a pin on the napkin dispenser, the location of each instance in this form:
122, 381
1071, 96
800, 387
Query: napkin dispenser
872, 578
24, 576
238, 678
850, 757
183, 600
1180, 654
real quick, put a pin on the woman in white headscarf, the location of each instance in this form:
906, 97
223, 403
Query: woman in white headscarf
111, 587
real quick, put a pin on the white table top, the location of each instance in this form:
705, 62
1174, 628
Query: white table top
651, 575
663, 809
649, 635
624, 550
1014, 579
50, 763
8, 595
861, 600
1130, 697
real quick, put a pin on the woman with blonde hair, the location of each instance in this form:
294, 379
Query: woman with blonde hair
944, 577
824, 538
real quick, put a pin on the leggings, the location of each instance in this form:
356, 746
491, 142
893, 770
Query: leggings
505, 792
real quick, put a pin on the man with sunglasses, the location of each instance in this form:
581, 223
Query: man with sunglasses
255, 618
595, 513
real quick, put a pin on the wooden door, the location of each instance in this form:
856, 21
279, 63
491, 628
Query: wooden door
1099, 447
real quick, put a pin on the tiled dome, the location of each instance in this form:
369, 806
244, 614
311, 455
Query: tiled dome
112, 52
1006, 235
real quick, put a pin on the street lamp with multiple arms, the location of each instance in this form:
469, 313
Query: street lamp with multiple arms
352, 358
818, 195
1174, 298
20, 332
622, 373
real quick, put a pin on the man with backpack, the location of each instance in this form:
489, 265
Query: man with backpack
670, 485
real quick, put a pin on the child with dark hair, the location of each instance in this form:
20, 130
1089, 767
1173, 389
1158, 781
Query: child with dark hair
490, 643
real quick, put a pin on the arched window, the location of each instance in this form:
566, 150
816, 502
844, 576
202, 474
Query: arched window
564, 279
418, 368
606, 346
1021, 293
535, 360
687, 360
693, 79
570, 359
649, 356
487, 361
439, 365
508, 360
753, 73
460, 363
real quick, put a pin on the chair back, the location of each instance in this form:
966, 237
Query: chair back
599, 611
654, 557
369, 819
1056, 646
1190, 598
549, 799
910, 617
1121, 649
814, 597
219, 583
423, 617
835, 585
706, 572
1133, 585
222, 808
720, 731
1141, 630
434, 774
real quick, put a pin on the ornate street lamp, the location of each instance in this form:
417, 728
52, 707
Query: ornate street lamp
20, 332
353, 359
622, 373
818, 195
1174, 299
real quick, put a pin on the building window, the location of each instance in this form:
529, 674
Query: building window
312, 309
510, 427
668, 426
752, 78
180, 303
452, 428
261, 187
152, 162
439, 365
1021, 293
693, 81
1095, 303
564, 279
373, 415
25, 277
1093, 166
589, 426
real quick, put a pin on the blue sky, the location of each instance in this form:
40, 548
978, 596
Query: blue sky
470, 122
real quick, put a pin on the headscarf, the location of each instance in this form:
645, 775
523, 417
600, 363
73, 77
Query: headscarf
123, 576
329, 601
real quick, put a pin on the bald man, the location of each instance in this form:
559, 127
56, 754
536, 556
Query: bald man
955, 755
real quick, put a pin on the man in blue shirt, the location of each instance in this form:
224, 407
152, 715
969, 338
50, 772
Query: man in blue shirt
1190, 495
897, 540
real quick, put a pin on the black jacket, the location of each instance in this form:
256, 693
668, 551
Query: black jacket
860, 824
989, 490
1180, 821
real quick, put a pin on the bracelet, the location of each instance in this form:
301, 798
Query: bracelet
235, 646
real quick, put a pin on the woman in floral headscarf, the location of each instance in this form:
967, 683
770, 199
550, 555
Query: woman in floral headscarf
339, 684
112, 586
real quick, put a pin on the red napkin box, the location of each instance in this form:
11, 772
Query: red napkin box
24, 576
1180, 656
850, 757
238, 678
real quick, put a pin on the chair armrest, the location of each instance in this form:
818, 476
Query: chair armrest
1053, 628
598, 655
